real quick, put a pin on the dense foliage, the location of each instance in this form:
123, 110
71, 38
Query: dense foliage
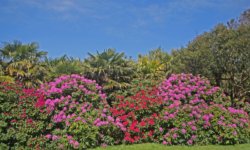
222, 55
72, 112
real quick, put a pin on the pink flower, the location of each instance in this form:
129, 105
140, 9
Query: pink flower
221, 117
171, 116
76, 144
67, 122
69, 137
164, 142
194, 128
71, 142
234, 133
174, 135
220, 138
48, 136
183, 131
183, 124
104, 144
61, 145
54, 137
160, 129
193, 137
190, 141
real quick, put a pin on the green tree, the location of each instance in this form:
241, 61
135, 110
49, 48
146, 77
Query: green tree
111, 70
222, 55
63, 66
155, 65
22, 63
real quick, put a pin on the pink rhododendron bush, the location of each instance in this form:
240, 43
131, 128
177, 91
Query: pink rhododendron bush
184, 109
73, 113
80, 114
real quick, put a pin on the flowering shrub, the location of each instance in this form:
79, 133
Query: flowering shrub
184, 110
73, 113
21, 118
200, 113
80, 113
137, 85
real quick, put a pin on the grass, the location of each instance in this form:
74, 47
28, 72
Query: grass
154, 146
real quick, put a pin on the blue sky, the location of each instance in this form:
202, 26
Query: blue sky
75, 27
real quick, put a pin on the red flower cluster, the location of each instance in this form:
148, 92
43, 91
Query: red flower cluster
138, 113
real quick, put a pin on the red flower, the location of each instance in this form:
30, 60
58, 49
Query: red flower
143, 123
124, 117
137, 130
130, 114
135, 138
126, 138
131, 128
151, 122
154, 115
125, 123
122, 112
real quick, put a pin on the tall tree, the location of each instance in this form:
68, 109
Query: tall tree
22, 63
111, 70
222, 55
63, 66
155, 65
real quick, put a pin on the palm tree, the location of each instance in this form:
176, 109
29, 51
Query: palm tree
63, 66
23, 63
4, 77
109, 69
156, 65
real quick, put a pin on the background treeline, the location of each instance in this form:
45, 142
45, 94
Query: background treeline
222, 55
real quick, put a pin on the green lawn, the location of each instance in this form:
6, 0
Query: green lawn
153, 146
